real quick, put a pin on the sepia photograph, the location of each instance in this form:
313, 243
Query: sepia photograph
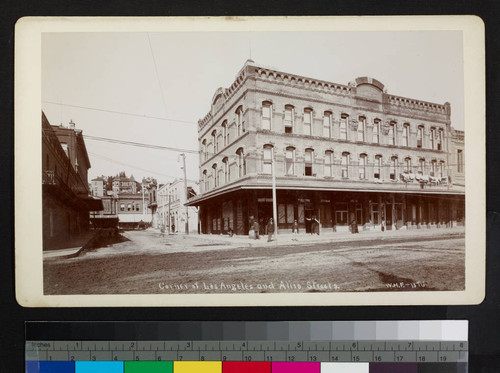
255, 162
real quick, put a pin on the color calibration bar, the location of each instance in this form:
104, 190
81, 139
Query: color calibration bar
238, 367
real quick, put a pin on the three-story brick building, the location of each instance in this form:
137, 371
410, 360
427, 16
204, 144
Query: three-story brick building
342, 153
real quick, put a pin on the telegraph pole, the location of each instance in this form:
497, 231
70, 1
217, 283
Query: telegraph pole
275, 209
185, 191
169, 219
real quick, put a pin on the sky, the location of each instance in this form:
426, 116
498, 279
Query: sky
172, 76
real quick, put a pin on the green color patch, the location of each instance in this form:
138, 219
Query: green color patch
148, 367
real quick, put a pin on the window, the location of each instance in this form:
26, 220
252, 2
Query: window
420, 136
308, 162
129, 207
460, 160
433, 169
267, 159
239, 121
362, 166
421, 165
345, 165
122, 207
440, 169
215, 176
214, 141
377, 167
205, 181
288, 119
433, 138
408, 164
137, 207
227, 175
361, 128
440, 139
328, 163
266, 115
394, 168
307, 128
241, 162
343, 126
406, 134
290, 161
225, 133
376, 131
327, 124
204, 149
392, 133
359, 213
341, 213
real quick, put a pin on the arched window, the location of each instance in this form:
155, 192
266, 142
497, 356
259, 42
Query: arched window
225, 133
433, 168
307, 126
266, 115
361, 128
432, 137
328, 163
241, 162
439, 140
267, 159
344, 118
327, 124
362, 166
392, 133
214, 141
240, 128
288, 118
420, 136
290, 160
394, 168
204, 150
376, 131
345, 165
377, 168
406, 134
421, 166
227, 175
215, 175
308, 162
407, 164
205, 181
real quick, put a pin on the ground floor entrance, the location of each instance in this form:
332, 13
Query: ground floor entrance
334, 211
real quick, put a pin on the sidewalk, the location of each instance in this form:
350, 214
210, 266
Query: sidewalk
288, 239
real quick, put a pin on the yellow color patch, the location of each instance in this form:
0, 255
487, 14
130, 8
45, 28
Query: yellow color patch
197, 367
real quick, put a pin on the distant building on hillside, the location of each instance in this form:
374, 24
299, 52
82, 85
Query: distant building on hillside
97, 187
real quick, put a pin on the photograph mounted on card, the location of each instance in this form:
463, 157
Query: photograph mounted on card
250, 161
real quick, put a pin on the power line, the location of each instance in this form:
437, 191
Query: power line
137, 168
142, 145
119, 112
157, 75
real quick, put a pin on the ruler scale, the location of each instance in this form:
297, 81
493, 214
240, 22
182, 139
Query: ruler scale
411, 349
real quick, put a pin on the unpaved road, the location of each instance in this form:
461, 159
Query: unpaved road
148, 264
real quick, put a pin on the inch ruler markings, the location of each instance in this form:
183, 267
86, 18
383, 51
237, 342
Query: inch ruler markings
271, 351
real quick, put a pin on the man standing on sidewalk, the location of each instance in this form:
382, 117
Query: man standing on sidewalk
270, 230
256, 229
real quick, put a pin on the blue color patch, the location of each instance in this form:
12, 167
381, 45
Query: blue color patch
99, 367
57, 367
32, 367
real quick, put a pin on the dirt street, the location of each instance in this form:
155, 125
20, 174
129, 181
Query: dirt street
148, 264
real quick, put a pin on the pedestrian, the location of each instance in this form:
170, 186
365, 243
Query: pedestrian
256, 229
316, 225
270, 230
295, 230
354, 226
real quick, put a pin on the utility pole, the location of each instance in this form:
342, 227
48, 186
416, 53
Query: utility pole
275, 209
185, 191
169, 219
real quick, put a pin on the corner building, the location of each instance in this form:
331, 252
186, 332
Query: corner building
341, 153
